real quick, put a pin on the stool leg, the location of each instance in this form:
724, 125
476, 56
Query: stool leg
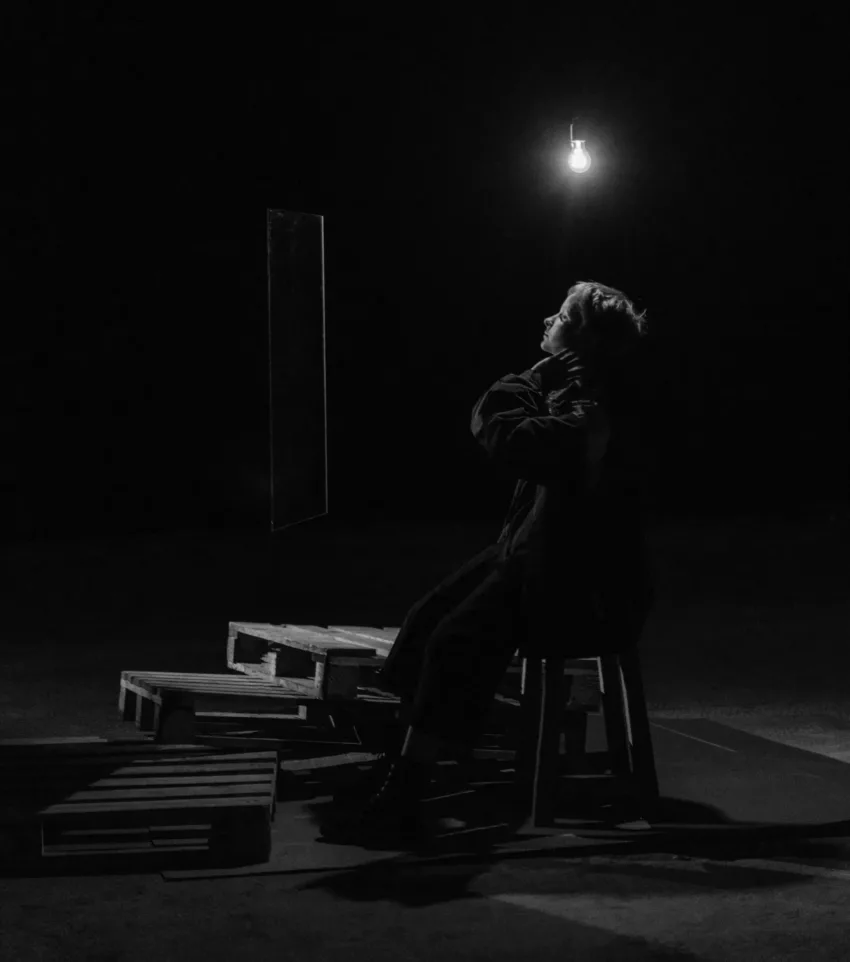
545, 797
614, 711
542, 715
643, 756
531, 697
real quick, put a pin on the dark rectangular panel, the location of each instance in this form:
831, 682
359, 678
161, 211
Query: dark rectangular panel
297, 368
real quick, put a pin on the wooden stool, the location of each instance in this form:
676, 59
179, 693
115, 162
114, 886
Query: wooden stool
545, 683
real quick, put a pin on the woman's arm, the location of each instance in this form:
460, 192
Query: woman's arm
512, 423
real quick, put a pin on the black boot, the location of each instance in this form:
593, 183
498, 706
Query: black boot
364, 784
368, 782
391, 816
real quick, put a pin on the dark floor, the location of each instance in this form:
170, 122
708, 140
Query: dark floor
748, 611
749, 635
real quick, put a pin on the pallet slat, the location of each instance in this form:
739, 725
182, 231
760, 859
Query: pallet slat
37, 775
212, 702
300, 715
47, 742
191, 790
386, 635
254, 687
221, 800
327, 761
216, 701
239, 777
381, 638
122, 848
81, 747
137, 831
327, 640
204, 761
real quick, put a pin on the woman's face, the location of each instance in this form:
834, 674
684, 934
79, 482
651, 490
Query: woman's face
557, 337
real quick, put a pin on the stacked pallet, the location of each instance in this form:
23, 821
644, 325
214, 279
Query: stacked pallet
92, 797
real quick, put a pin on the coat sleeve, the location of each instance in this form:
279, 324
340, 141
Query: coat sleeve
512, 423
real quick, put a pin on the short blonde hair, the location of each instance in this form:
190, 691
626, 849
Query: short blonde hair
604, 319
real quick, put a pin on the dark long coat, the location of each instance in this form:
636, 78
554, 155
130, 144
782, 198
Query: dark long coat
573, 535
570, 560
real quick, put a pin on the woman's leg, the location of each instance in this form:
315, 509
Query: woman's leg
464, 662
465, 658
402, 669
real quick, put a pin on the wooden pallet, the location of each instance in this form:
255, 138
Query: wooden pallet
335, 660
167, 704
96, 798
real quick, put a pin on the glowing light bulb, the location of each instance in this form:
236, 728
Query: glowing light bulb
579, 159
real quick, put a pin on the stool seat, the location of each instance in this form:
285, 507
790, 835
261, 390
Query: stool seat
546, 684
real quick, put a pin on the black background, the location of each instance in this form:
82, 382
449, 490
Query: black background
146, 149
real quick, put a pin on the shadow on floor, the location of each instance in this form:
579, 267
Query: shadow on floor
641, 866
481, 796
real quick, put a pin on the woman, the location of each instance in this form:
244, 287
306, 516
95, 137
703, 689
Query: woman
569, 571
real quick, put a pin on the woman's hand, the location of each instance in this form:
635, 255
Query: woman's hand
557, 369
